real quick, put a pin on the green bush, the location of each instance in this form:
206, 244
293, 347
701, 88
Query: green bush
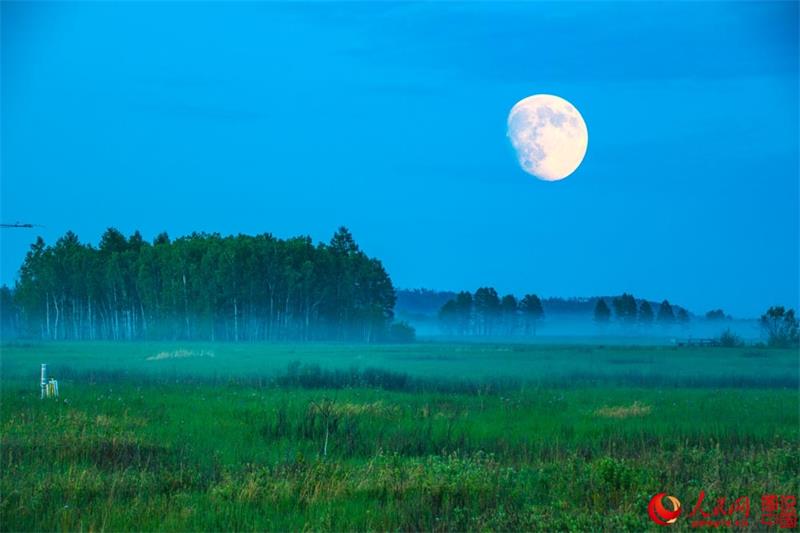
402, 332
729, 339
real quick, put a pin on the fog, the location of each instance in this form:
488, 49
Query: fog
569, 329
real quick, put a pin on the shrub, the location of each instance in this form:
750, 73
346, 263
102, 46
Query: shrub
729, 339
402, 332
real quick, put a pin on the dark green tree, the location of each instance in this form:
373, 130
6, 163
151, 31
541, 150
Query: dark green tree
465, 308
646, 312
487, 310
625, 308
449, 317
602, 314
781, 327
716, 314
665, 313
532, 312
9, 314
509, 309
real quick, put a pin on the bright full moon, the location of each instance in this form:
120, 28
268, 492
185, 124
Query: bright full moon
549, 135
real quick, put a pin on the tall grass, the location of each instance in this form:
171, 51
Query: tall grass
133, 450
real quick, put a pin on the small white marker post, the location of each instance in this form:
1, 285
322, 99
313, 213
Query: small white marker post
44, 380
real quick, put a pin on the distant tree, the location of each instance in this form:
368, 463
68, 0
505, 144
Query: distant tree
113, 241
487, 309
508, 304
465, 310
32, 292
602, 314
532, 312
646, 312
343, 243
682, 315
161, 238
625, 308
9, 314
781, 327
716, 314
509, 309
665, 313
449, 317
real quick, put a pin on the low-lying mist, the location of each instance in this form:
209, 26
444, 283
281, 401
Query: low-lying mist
579, 330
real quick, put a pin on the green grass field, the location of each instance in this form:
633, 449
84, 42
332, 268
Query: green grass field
419, 437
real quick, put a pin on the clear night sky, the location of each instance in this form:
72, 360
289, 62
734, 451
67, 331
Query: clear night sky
390, 119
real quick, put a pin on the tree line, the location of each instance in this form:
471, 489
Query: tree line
484, 313
202, 286
628, 312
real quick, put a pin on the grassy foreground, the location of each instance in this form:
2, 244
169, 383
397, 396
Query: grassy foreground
182, 441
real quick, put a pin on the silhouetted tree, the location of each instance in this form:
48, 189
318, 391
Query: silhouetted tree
449, 317
532, 312
487, 309
509, 309
465, 306
781, 327
665, 313
455, 316
716, 314
645, 312
625, 308
602, 314
9, 314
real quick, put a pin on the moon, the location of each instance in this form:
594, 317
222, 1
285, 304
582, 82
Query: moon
549, 136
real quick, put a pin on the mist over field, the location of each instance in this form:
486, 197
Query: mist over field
571, 329
399, 266
572, 320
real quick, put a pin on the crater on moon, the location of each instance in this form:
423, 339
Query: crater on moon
549, 136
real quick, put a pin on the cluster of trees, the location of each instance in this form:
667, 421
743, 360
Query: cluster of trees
780, 325
427, 302
717, 314
485, 314
203, 286
628, 312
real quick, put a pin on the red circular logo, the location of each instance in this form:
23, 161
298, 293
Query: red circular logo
660, 514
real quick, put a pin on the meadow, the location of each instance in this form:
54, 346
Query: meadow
426, 436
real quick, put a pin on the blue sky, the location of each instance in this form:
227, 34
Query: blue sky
390, 119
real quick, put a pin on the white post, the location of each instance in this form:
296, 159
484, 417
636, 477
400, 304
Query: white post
44, 380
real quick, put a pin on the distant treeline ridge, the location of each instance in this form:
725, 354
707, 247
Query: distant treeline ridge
421, 303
